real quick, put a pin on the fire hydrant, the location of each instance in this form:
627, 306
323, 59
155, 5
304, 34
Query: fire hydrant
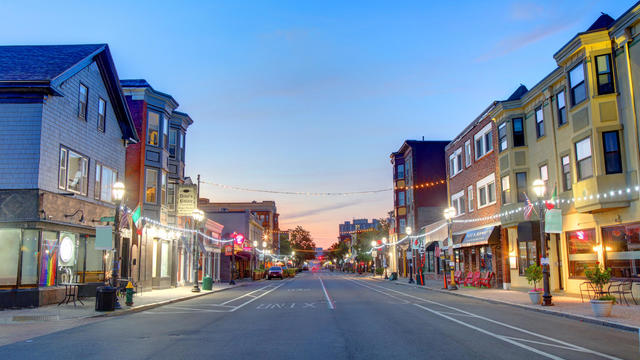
129, 297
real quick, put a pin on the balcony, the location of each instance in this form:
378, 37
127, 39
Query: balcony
605, 192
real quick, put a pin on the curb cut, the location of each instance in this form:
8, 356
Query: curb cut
526, 307
159, 303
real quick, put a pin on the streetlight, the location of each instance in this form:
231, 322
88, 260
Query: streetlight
255, 255
540, 188
408, 231
373, 260
384, 258
118, 195
449, 214
198, 216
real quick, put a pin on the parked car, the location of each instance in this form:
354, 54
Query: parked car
275, 271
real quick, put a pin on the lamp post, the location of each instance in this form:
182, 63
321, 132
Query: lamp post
197, 215
384, 258
118, 194
255, 255
408, 231
449, 213
539, 188
293, 254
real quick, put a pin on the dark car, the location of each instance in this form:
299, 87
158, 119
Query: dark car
274, 271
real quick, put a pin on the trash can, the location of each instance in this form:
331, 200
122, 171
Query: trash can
105, 298
207, 283
394, 276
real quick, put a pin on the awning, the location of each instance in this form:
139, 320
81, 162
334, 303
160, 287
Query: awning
457, 239
477, 237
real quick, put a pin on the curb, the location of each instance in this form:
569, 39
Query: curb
530, 308
141, 308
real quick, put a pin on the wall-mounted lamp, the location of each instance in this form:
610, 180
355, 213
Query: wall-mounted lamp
75, 213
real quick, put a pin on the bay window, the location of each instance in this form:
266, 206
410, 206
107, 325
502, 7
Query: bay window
612, 158
577, 85
539, 122
506, 186
521, 185
566, 173
502, 137
584, 159
173, 138
153, 128
151, 186
604, 74
518, 132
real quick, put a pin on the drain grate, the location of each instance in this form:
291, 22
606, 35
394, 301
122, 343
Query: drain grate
35, 318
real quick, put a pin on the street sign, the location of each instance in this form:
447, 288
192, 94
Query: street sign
553, 221
544, 261
187, 200
374, 253
107, 219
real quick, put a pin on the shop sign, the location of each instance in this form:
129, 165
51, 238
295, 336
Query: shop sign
374, 253
104, 238
228, 250
544, 261
187, 200
553, 221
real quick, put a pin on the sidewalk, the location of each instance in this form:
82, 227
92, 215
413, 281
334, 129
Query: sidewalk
622, 316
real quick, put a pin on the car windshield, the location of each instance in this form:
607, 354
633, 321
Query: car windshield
275, 268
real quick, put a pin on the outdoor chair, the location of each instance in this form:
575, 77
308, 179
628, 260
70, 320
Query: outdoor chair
586, 288
472, 279
468, 279
486, 280
622, 289
458, 276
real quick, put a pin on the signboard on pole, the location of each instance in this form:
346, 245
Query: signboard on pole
553, 221
374, 253
104, 238
228, 250
187, 199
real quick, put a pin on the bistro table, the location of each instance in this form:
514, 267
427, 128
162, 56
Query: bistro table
70, 293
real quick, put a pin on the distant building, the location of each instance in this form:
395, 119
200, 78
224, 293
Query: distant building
356, 226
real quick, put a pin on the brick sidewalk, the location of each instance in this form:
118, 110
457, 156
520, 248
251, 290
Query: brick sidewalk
622, 316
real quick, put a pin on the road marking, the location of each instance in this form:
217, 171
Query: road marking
256, 298
501, 337
311, 305
247, 294
326, 294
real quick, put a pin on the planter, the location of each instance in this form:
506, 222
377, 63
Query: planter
601, 308
535, 297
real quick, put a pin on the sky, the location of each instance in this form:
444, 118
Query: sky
314, 96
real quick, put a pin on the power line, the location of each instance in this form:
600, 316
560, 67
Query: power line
303, 193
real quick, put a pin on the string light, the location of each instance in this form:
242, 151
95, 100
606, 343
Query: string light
304, 193
427, 184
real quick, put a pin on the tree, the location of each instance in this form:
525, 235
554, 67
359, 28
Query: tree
300, 239
285, 244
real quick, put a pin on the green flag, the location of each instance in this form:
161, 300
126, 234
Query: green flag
137, 216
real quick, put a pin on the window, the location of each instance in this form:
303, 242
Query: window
467, 153
105, 178
583, 159
486, 191
518, 132
562, 108
470, 197
401, 198
73, 171
455, 162
505, 189
539, 122
83, 98
153, 128
502, 137
171, 195
605, 75
182, 145
102, 109
163, 189
578, 87
580, 247
165, 132
9, 251
521, 185
457, 201
151, 186
611, 145
484, 141
622, 250
566, 173
400, 171
402, 225
527, 254
544, 174
173, 138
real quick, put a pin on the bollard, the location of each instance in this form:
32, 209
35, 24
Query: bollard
129, 298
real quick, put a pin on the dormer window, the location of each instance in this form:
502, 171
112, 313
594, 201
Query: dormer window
604, 74
578, 87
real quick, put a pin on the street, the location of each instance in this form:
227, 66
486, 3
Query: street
331, 315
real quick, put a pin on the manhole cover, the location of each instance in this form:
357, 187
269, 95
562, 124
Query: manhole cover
35, 318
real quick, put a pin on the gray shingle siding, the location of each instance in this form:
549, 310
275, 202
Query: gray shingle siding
20, 145
62, 126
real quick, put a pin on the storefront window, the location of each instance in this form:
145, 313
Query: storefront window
29, 253
164, 265
49, 258
580, 245
485, 259
527, 254
622, 250
90, 261
9, 250
154, 258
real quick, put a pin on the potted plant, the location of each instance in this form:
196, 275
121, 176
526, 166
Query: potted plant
534, 274
600, 277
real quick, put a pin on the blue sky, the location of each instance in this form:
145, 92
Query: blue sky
314, 96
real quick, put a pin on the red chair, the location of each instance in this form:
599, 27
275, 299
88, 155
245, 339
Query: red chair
486, 280
471, 278
458, 276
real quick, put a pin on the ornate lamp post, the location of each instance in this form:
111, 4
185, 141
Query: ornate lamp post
408, 231
118, 194
197, 215
449, 214
540, 188
255, 255
384, 257
293, 254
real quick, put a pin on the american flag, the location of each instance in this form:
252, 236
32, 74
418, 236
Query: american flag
528, 209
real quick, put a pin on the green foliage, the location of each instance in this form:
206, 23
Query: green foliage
300, 239
598, 277
608, 297
379, 271
533, 274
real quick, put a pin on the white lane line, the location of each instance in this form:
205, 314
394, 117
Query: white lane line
543, 343
575, 347
245, 295
326, 294
256, 298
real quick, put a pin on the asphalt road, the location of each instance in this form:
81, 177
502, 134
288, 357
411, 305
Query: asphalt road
331, 316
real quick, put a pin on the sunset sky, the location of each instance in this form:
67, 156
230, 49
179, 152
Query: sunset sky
295, 96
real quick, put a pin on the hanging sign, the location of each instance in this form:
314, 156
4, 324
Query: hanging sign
553, 221
228, 250
187, 199
104, 238
374, 253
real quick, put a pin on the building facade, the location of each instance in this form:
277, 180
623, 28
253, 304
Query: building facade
65, 128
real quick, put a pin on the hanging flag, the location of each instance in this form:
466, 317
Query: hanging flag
528, 209
552, 203
136, 216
